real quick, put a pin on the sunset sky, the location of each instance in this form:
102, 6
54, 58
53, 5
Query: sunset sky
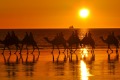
59, 13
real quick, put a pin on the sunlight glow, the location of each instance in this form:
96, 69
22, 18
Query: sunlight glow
84, 52
84, 13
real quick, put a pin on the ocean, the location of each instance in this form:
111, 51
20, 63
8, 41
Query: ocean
42, 67
39, 34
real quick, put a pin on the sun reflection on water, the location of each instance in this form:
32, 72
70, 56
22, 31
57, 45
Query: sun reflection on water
84, 71
84, 52
83, 67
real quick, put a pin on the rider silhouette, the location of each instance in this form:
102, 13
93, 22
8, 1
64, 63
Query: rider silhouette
111, 36
8, 36
61, 36
89, 34
26, 37
14, 38
31, 37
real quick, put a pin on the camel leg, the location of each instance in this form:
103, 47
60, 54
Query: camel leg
4, 58
33, 49
21, 49
16, 48
33, 57
38, 49
76, 57
108, 57
27, 58
37, 57
21, 58
70, 49
64, 53
52, 49
16, 58
58, 49
59, 53
9, 49
76, 48
117, 54
109, 49
27, 48
9, 56
52, 53
3, 49
64, 50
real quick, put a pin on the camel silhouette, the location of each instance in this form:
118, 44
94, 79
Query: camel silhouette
29, 65
111, 41
9, 41
28, 40
88, 41
73, 40
57, 42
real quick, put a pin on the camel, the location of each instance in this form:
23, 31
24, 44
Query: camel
111, 41
9, 41
57, 43
88, 40
28, 40
73, 40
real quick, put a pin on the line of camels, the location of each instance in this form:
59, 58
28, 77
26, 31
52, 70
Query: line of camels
86, 41
73, 40
12, 39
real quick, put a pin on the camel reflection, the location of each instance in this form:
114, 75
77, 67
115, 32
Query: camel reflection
82, 54
11, 66
12, 63
113, 58
29, 64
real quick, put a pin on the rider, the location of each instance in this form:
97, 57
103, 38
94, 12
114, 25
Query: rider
31, 37
89, 34
8, 36
111, 36
13, 36
61, 36
56, 37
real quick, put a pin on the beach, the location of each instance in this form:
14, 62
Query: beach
47, 69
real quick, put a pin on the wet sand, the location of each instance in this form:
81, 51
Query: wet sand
46, 69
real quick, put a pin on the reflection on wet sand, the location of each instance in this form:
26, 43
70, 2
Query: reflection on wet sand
11, 67
12, 63
85, 68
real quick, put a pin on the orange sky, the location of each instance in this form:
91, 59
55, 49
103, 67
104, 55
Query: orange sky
58, 13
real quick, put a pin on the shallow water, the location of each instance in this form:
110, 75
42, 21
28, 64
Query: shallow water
46, 69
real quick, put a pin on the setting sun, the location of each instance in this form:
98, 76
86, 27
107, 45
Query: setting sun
84, 13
